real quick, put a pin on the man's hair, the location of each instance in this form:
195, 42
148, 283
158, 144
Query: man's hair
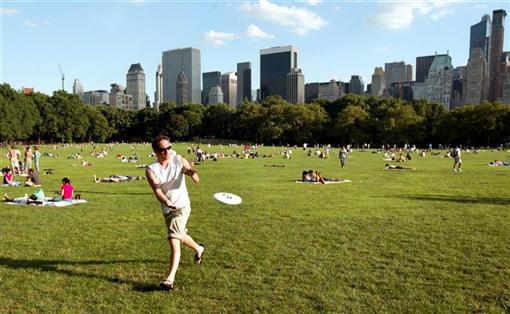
158, 139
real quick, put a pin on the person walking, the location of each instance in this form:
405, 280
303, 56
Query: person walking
342, 155
166, 177
457, 161
37, 157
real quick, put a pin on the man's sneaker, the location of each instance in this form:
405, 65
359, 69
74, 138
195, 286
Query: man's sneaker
454, 170
460, 170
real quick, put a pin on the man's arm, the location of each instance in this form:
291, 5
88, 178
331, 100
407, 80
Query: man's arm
160, 196
188, 170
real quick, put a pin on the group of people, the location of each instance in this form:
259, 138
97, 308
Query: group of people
38, 197
31, 157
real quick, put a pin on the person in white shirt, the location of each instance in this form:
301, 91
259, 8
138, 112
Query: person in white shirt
457, 161
166, 177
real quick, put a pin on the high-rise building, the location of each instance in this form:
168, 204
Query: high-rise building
439, 80
243, 82
185, 60
329, 91
210, 80
182, 89
505, 78
135, 86
397, 72
423, 67
458, 81
479, 36
96, 97
158, 94
476, 78
378, 82
295, 87
356, 85
229, 88
119, 99
77, 88
215, 95
275, 64
496, 51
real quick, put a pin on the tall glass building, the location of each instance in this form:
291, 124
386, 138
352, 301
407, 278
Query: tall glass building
210, 80
243, 82
186, 60
480, 35
275, 64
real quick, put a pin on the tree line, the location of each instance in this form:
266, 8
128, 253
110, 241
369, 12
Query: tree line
353, 119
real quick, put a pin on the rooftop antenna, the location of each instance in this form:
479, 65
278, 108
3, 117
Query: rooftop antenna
61, 74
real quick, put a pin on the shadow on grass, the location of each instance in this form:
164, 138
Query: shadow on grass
55, 266
459, 199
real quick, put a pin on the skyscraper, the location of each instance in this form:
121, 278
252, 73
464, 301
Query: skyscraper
505, 78
295, 87
177, 60
479, 36
243, 82
423, 67
439, 81
210, 80
396, 72
182, 89
158, 94
378, 83
229, 88
77, 88
329, 91
215, 95
496, 51
356, 85
275, 64
119, 99
135, 86
476, 78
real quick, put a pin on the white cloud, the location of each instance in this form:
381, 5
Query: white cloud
253, 31
30, 24
313, 2
300, 20
8, 11
219, 38
400, 15
337, 8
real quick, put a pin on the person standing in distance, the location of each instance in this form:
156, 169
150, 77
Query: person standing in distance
457, 161
342, 155
166, 178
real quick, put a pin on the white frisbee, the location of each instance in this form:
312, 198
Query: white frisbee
227, 198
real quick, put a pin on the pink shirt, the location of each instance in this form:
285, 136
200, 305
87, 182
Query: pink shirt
67, 191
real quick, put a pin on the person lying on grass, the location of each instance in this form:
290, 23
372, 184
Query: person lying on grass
394, 167
497, 163
116, 178
37, 198
315, 176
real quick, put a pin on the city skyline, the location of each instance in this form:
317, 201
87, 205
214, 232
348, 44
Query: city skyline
335, 40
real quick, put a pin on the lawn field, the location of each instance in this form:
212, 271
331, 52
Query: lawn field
424, 241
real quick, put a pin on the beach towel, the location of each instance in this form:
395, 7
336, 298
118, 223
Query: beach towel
48, 201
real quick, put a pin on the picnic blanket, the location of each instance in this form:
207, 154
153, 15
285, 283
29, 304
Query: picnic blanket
325, 182
48, 201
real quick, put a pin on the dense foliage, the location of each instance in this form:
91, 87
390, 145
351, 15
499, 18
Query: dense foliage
352, 119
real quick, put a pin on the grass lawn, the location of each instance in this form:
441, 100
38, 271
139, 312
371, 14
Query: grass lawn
428, 240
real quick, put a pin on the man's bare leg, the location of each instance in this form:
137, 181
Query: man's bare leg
175, 246
189, 242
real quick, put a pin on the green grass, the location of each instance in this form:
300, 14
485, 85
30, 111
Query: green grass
428, 240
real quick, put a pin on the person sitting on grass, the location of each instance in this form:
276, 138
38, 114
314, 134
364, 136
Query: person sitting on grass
8, 177
66, 190
116, 178
33, 178
394, 167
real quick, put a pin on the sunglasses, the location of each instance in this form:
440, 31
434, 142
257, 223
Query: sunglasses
164, 149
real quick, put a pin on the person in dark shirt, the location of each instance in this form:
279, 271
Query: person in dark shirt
33, 178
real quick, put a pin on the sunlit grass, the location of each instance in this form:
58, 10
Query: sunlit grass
428, 240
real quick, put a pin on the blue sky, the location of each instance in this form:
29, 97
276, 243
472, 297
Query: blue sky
97, 41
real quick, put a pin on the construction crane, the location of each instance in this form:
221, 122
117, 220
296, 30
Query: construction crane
61, 74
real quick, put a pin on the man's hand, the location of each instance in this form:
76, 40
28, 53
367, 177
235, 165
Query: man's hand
170, 205
189, 172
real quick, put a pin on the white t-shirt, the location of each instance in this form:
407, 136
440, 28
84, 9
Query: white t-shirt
172, 182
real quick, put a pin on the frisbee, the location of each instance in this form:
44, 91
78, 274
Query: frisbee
227, 198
